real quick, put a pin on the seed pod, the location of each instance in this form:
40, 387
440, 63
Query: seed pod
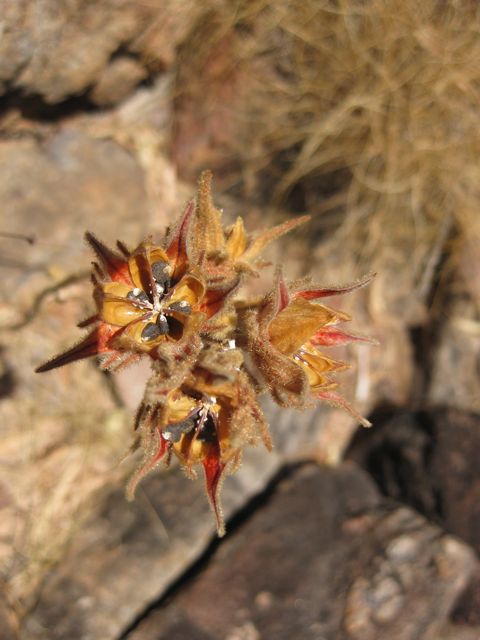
162, 324
137, 295
151, 331
161, 271
174, 432
181, 306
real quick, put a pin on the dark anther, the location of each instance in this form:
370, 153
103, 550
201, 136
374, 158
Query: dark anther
162, 325
181, 306
161, 273
174, 432
151, 331
208, 432
139, 296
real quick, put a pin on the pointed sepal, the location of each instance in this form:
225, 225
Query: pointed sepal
208, 231
95, 343
314, 292
265, 238
163, 448
114, 265
177, 239
336, 400
214, 470
332, 337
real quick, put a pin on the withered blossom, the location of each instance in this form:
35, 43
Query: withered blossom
211, 353
283, 332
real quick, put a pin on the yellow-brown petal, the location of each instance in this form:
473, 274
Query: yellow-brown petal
179, 407
295, 325
237, 240
115, 307
131, 338
191, 289
317, 367
136, 263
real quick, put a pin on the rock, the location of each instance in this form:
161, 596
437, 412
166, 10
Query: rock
68, 45
62, 434
58, 50
458, 632
467, 608
16, 46
8, 622
117, 80
58, 188
429, 460
455, 361
326, 558
128, 554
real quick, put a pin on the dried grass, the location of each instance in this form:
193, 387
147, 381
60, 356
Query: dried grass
365, 113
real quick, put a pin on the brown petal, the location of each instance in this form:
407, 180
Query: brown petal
317, 367
140, 269
283, 296
88, 321
115, 307
191, 288
237, 240
148, 465
216, 299
286, 380
130, 337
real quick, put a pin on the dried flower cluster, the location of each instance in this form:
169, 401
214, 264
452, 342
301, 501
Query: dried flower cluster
176, 304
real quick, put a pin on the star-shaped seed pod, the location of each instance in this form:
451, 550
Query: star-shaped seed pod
142, 302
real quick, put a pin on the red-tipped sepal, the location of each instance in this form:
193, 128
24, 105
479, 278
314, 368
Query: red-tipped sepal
214, 470
283, 296
314, 292
332, 337
93, 344
148, 465
114, 265
176, 248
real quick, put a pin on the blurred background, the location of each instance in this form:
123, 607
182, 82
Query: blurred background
362, 113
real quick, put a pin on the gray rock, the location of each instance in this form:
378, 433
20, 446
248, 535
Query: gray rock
128, 554
324, 558
60, 49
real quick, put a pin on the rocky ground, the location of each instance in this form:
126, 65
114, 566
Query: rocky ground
338, 534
